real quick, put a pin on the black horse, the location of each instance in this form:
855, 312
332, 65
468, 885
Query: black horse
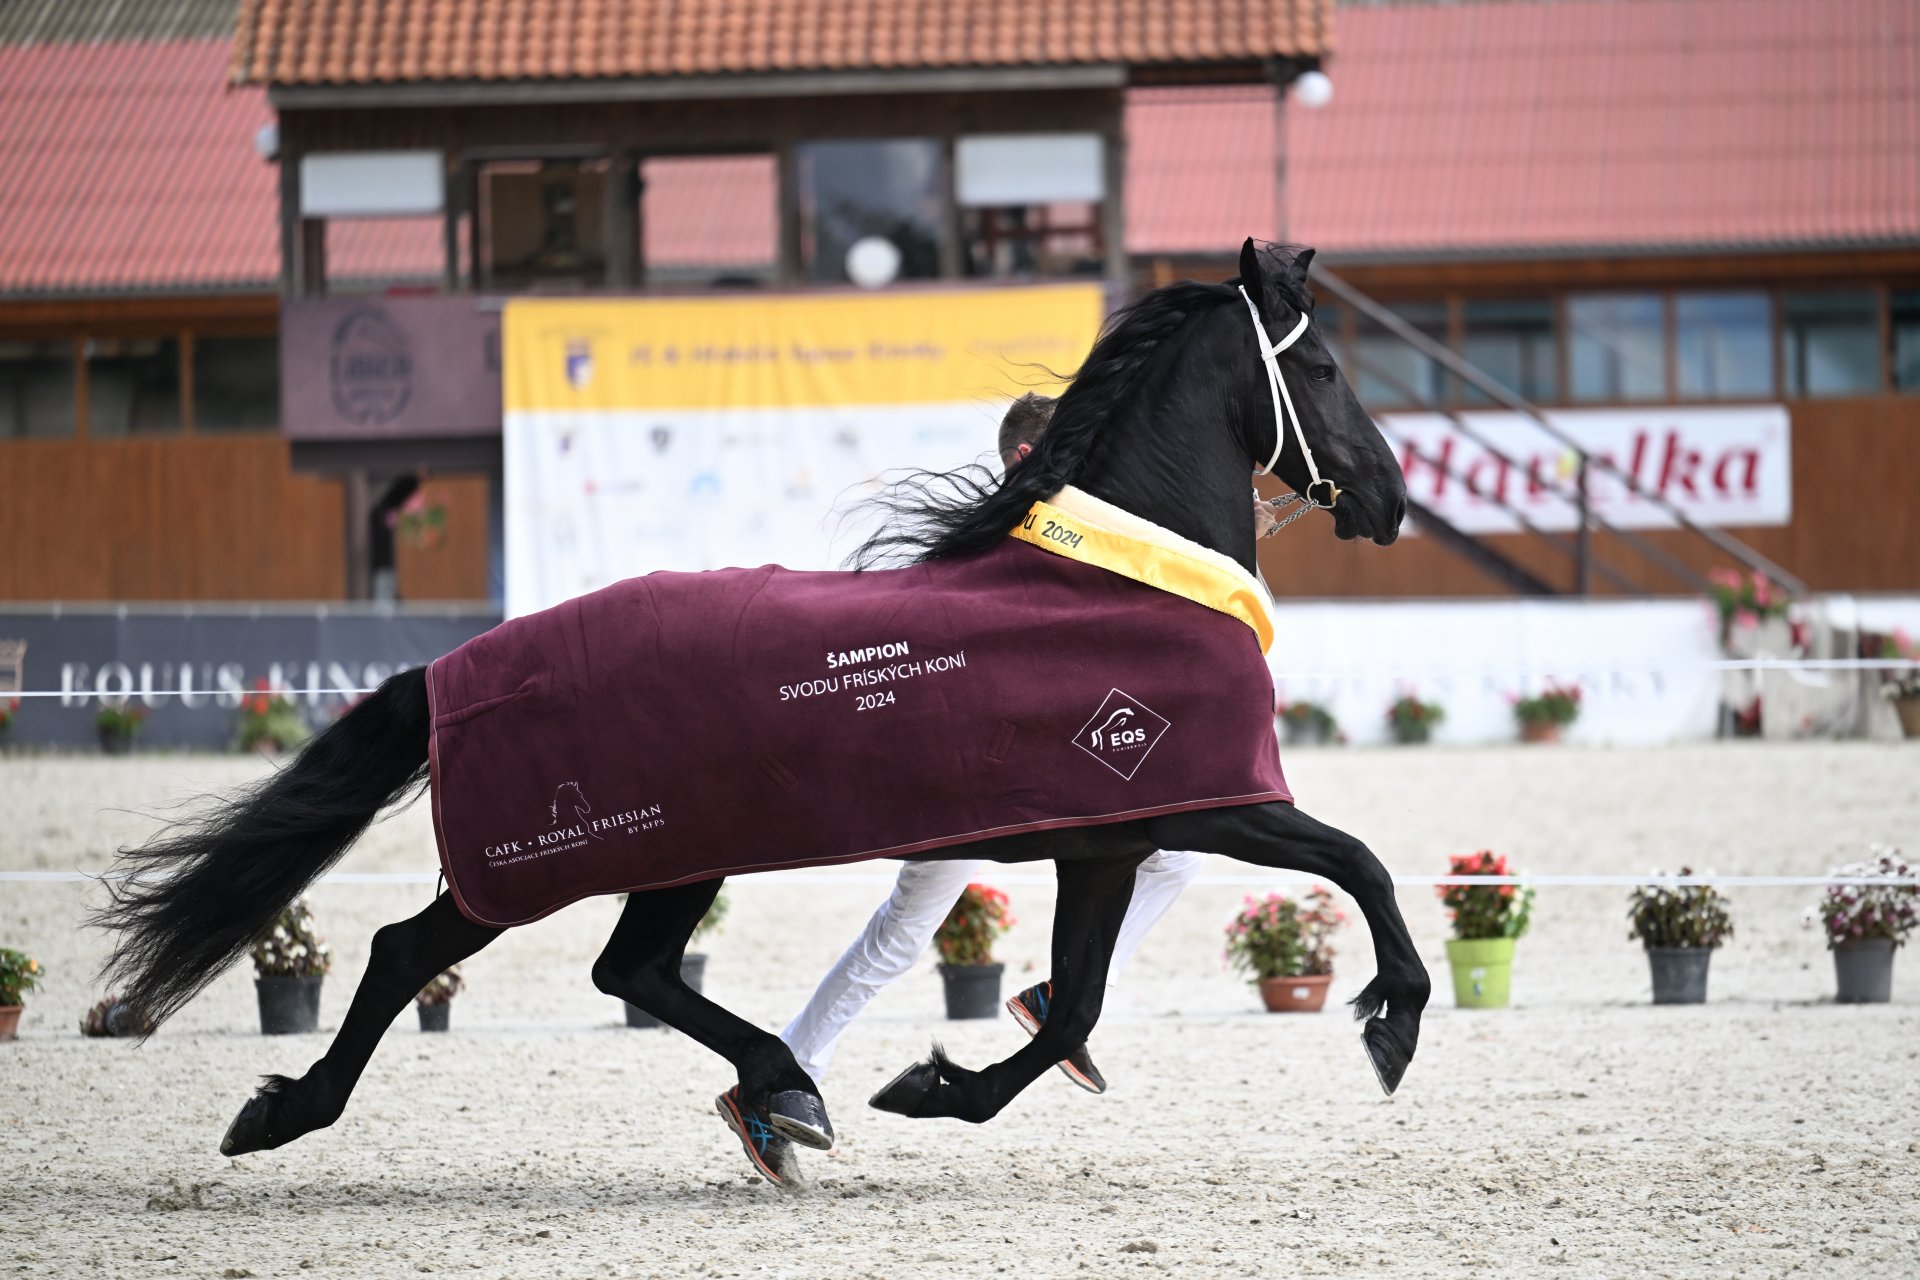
1166, 418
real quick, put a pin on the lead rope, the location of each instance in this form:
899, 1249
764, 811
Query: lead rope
1281, 501
1285, 416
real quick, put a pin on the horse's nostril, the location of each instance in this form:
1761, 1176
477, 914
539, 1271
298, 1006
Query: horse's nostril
1399, 511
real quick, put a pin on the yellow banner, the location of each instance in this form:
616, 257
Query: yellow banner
762, 351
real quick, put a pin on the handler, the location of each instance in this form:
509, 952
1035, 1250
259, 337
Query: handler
925, 892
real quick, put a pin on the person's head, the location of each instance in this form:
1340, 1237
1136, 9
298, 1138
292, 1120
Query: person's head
1026, 418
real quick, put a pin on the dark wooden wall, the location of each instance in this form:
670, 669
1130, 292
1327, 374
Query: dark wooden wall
1856, 470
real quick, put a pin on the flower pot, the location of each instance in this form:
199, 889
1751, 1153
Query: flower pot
1908, 709
1539, 731
289, 1006
1864, 971
973, 990
1306, 733
1411, 734
692, 969
10, 1020
1482, 971
115, 743
1304, 994
433, 1017
1679, 974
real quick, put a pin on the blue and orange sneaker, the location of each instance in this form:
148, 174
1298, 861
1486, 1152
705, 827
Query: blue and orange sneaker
1029, 1009
770, 1154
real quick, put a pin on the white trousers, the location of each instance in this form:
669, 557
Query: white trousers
905, 923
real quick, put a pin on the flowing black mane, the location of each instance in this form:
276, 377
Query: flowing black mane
931, 515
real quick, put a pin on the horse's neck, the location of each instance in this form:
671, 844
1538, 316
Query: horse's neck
1172, 457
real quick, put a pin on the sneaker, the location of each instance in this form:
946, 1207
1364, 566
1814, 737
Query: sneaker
1029, 1009
770, 1154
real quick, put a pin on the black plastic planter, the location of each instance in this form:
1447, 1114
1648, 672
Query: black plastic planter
1864, 971
692, 969
289, 1006
433, 1017
1679, 974
973, 990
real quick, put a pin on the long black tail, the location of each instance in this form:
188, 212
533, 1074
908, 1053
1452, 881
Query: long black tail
200, 892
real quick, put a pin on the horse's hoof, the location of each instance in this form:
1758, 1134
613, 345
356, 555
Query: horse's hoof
248, 1132
1384, 1052
906, 1091
801, 1118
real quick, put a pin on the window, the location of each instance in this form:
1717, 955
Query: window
709, 219
36, 390
236, 384
1832, 343
1513, 342
893, 188
1329, 321
1723, 345
1617, 346
1030, 204
1390, 373
1906, 339
133, 386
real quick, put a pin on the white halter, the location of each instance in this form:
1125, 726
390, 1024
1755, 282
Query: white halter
1283, 411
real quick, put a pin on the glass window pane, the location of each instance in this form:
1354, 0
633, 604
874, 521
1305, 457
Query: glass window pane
1391, 374
709, 219
1513, 343
133, 386
1906, 339
236, 384
893, 188
1616, 347
36, 390
1833, 343
1724, 345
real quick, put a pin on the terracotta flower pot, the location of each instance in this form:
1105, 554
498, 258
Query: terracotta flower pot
10, 1020
1539, 731
973, 990
1908, 709
1304, 994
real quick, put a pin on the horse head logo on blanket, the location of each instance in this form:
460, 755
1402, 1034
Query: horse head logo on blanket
580, 807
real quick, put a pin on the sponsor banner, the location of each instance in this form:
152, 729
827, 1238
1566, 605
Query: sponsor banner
698, 433
161, 662
1721, 466
389, 368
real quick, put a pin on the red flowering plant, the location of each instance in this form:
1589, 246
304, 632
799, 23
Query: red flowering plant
1897, 683
268, 720
1743, 599
1485, 910
1856, 912
1556, 705
1413, 720
1276, 937
422, 518
8, 710
978, 917
122, 718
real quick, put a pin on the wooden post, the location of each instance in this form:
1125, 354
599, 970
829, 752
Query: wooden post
1113, 204
289, 220
790, 271
357, 504
1280, 159
949, 211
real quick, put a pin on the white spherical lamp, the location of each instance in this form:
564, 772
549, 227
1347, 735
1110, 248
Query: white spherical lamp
873, 262
1313, 90
266, 140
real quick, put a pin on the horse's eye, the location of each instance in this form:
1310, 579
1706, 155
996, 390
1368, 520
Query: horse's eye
1321, 373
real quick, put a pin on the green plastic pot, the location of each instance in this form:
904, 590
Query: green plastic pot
1482, 971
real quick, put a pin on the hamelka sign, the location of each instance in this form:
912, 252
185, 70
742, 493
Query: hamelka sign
1721, 466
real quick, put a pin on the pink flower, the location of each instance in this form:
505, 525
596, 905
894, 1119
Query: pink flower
1744, 618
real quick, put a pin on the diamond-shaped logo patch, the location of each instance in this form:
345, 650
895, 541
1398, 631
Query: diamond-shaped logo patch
1121, 733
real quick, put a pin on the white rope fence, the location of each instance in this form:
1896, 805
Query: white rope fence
1396, 672
1248, 880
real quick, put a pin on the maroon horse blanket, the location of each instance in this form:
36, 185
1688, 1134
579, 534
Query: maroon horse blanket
682, 726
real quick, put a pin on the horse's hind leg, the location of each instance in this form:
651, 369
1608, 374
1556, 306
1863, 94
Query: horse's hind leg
641, 965
1279, 835
405, 958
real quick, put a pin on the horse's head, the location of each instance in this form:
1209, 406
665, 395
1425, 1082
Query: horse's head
1350, 454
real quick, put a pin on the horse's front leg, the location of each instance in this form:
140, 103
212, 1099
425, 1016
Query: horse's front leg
1279, 835
1092, 901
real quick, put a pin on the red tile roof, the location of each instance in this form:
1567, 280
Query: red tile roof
360, 41
128, 167
1523, 128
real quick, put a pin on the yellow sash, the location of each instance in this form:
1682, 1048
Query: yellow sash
1159, 559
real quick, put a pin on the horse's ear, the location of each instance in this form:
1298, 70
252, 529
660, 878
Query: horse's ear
1297, 269
1251, 276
